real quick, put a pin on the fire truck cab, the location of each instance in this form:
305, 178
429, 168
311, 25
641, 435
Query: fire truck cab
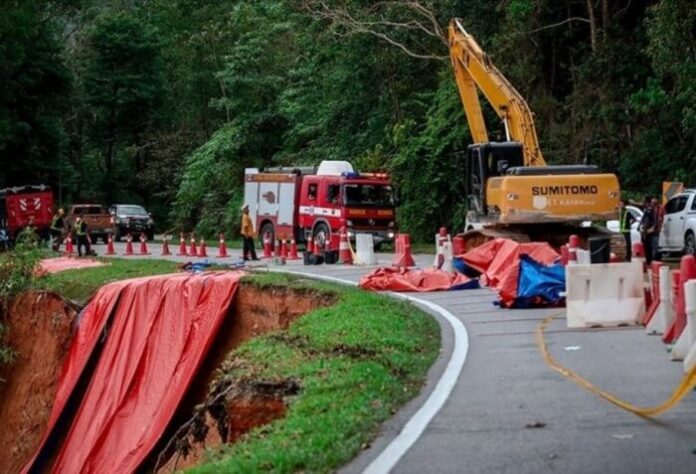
308, 202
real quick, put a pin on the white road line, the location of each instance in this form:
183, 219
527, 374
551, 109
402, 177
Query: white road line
413, 429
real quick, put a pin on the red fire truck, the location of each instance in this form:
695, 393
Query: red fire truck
24, 204
314, 202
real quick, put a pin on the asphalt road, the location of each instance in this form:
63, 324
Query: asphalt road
510, 413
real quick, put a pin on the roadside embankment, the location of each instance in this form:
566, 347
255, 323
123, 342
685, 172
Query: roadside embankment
38, 329
275, 390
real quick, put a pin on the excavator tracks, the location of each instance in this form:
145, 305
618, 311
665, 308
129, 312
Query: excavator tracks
555, 235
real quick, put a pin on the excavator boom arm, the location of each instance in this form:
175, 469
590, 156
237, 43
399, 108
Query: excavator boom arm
474, 71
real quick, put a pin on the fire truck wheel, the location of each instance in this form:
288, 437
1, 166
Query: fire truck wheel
267, 228
321, 234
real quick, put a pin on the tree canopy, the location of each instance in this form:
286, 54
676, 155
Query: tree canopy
166, 102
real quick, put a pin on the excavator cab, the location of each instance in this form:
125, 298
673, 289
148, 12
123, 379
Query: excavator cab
486, 160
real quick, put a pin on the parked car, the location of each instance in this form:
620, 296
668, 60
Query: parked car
97, 218
678, 232
637, 214
131, 219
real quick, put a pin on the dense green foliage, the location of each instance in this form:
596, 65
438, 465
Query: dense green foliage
166, 102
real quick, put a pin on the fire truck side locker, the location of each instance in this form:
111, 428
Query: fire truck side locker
272, 202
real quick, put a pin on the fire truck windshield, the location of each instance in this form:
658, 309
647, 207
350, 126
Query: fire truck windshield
371, 195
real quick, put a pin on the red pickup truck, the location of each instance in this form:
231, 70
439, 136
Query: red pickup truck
99, 220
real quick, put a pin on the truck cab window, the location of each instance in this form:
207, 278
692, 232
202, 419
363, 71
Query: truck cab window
332, 193
676, 204
312, 191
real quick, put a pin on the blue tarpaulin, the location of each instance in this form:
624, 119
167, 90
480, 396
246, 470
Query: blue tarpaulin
539, 284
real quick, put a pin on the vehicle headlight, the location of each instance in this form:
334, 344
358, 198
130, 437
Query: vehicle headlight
349, 223
390, 235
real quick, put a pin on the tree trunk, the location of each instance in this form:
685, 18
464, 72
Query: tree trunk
605, 19
593, 25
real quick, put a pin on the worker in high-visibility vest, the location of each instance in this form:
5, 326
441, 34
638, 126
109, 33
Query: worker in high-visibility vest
82, 236
57, 228
626, 220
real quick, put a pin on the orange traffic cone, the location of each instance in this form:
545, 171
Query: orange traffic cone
193, 251
143, 244
283, 249
202, 250
69, 248
182, 245
165, 246
310, 245
293, 250
129, 245
110, 246
222, 248
267, 253
402, 251
344, 255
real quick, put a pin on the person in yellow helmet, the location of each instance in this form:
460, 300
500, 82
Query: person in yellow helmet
248, 235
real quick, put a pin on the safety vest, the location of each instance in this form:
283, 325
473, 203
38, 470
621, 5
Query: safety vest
54, 224
81, 228
623, 221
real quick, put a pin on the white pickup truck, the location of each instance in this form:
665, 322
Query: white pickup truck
678, 232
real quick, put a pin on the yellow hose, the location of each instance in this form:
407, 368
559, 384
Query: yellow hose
687, 384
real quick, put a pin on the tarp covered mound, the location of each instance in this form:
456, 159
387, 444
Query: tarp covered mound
61, 264
539, 284
404, 279
499, 263
158, 331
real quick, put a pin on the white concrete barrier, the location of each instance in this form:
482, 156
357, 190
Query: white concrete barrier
604, 294
444, 252
364, 250
444, 257
583, 256
664, 314
685, 347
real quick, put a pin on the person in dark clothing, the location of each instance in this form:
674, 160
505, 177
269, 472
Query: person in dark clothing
658, 213
649, 231
57, 228
81, 232
626, 220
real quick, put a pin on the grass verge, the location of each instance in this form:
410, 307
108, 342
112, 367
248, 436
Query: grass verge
79, 285
356, 362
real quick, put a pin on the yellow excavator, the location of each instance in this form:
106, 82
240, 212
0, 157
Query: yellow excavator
512, 192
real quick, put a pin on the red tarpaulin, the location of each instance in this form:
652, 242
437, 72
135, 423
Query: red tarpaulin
499, 262
60, 264
158, 331
431, 279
